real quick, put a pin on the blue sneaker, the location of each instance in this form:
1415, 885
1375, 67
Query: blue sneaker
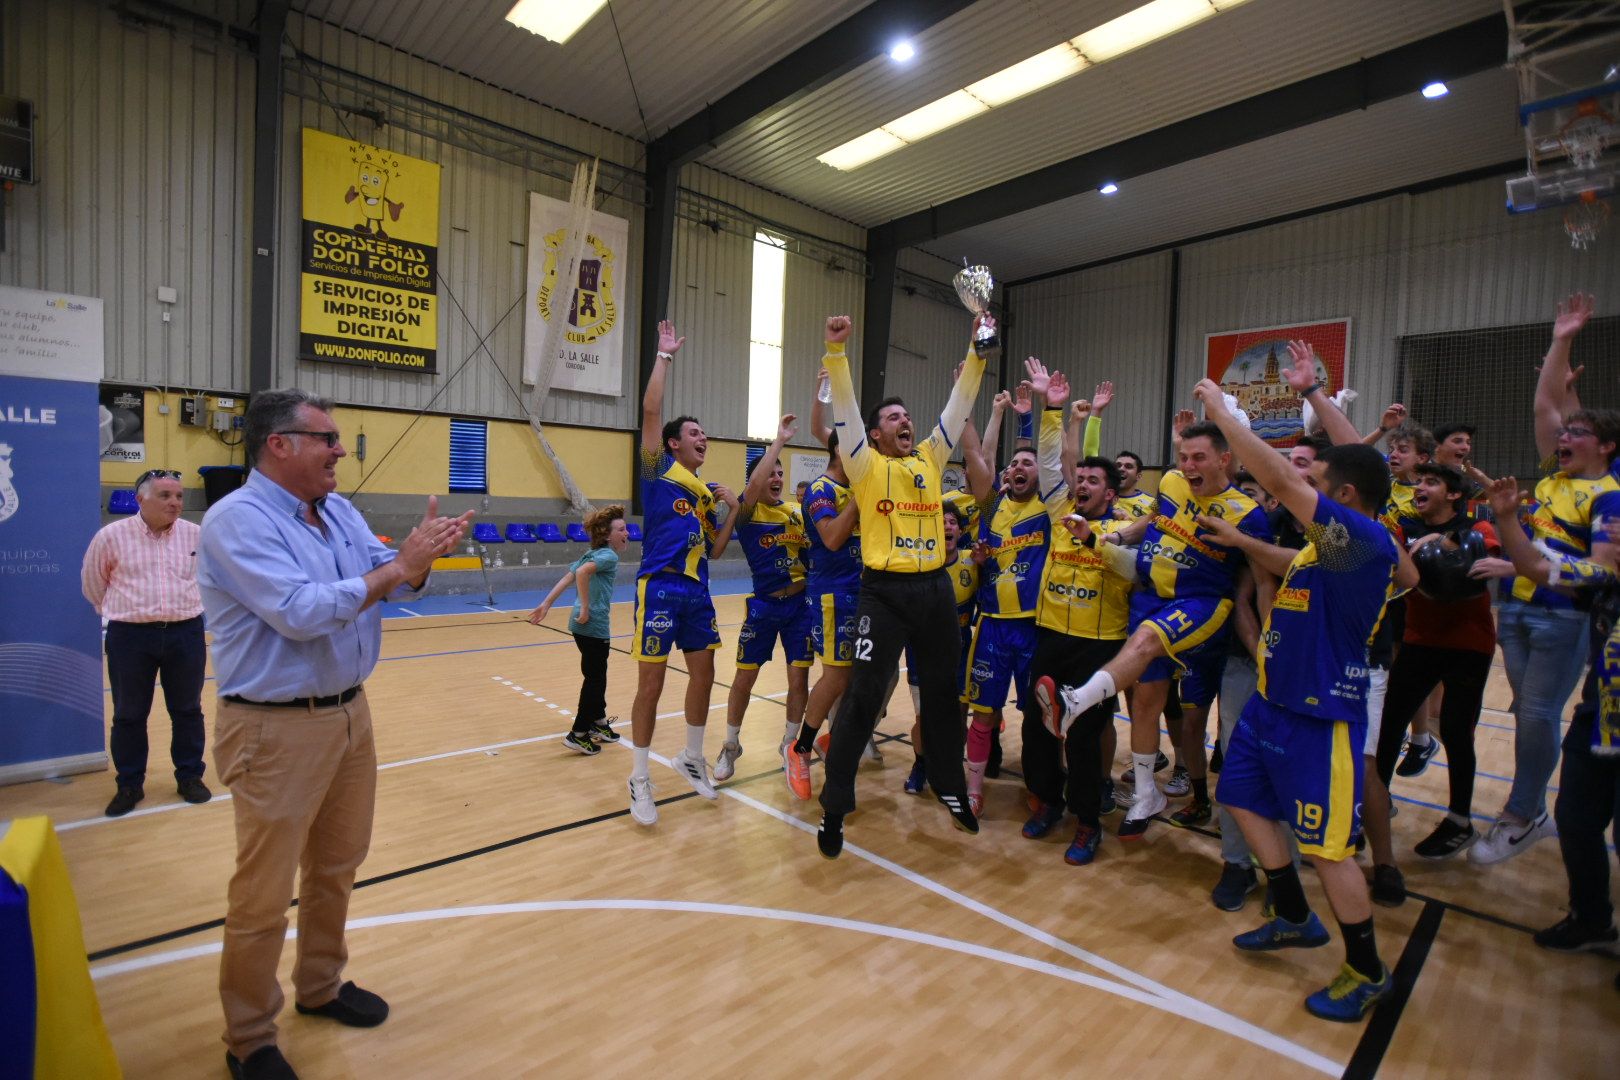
1083, 848
1042, 821
1279, 933
917, 782
1348, 997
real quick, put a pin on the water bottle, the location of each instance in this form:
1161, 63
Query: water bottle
824, 391
525, 558
498, 562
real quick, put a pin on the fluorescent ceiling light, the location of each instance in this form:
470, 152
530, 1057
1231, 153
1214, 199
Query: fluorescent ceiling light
1028, 76
1109, 188
902, 51
948, 111
857, 152
1150, 22
554, 20
1436, 90
1132, 30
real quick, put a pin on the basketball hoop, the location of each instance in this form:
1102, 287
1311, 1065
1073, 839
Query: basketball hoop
1587, 134
1585, 219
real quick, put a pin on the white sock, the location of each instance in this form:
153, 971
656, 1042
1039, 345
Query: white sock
1143, 764
1458, 819
916, 701
975, 777
790, 730
732, 733
1096, 690
638, 771
694, 740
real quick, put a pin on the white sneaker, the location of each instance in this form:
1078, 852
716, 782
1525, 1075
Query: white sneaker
1506, 839
695, 771
642, 807
725, 766
872, 753
1144, 806
1058, 705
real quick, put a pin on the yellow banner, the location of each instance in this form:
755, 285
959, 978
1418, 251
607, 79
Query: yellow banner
370, 256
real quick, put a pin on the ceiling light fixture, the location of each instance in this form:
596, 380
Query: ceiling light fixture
1140, 26
554, 20
901, 51
1108, 188
1436, 90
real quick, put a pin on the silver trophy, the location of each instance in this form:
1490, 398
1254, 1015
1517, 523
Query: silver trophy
974, 287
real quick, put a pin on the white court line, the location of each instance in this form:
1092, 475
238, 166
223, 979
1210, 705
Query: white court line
966, 948
408, 611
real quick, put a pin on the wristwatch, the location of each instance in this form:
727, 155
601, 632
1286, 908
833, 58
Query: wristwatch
1313, 388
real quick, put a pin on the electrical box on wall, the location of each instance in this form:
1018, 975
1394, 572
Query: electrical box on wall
220, 420
193, 412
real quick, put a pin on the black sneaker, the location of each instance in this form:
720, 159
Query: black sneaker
193, 790
1571, 935
992, 767
1388, 886
124, 801
582, 743
1417, 757
1107, 804
962, 815
602, 730
1237, 882
265, 1063
830, 835
1447, 840
1216, 758
1196, 813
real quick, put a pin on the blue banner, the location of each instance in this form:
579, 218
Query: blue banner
51, 704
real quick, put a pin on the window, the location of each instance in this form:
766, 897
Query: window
765, 336
469, 455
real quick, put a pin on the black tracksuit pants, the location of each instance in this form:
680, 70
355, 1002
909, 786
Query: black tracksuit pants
1070, 661
896, 609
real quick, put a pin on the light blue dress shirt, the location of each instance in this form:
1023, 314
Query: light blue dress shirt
283, 599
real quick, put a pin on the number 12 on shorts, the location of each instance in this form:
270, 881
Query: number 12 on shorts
1307, 815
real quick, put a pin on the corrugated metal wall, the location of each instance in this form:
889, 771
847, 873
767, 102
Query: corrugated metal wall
144, 150
1442, 260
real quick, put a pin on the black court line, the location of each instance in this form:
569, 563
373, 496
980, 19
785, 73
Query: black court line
433, 864
1380, 1029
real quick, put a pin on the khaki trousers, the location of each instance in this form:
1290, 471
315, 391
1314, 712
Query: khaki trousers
303, 784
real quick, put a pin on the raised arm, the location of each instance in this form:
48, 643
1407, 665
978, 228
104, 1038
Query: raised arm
1394, 416
1052, 390
1301, 375
1270, 468
963, 394
1556, 382
1079, 420
978, 455
759, 481
652, 401
820, 425
1101, 398
846, 410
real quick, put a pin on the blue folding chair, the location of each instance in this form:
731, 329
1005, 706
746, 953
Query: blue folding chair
485, 532
122, 501
577, 533
634, 530
519, 533
548, 531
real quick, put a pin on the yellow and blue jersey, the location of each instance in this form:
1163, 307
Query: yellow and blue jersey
830, 571
965, 585
1138, 504
773, 540
1560, 516
1313, 647
967, 504
1018, 535
1177, 559
1400, 511
679, 524
1080, 595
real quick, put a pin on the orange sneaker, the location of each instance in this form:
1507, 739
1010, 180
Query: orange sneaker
796, 767
822, 742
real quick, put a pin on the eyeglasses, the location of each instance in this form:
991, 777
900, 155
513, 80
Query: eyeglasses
331, 437
154, 474
1576, 432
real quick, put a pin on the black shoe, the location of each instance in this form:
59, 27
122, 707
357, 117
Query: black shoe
1216, 758
265, 1063
1237, 882
992, 767
1160, 764
1388, 886
1570, 935
1107, 803
961, 813
830, 835
1447, 840
193, 790
124, 801
1417, 757
352, 1006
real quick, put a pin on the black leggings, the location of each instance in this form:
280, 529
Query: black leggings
593, 658
1070, 661
1418, 669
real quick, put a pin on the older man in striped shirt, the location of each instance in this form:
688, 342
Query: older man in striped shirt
140, 573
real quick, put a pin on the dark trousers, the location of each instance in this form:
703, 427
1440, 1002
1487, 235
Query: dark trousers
138, 654
895, 609
1588, 803
1070, 661
593, 660
1417, 670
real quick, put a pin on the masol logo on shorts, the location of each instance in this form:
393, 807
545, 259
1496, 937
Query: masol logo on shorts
660, 623
885, 506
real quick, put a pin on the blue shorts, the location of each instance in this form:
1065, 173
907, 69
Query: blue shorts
961, 665
672, 612
1194, 633
1000, 655
832, 626
769, 619
1286, 766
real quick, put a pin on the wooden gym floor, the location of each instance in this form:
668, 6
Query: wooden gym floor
520, 923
